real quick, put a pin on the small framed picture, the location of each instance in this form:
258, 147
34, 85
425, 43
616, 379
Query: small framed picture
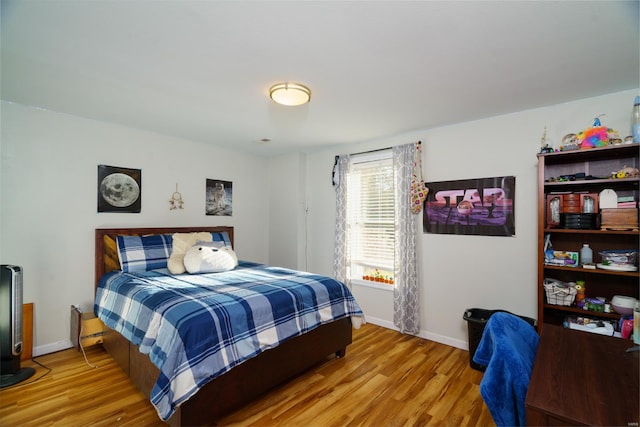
219, 198
119, 189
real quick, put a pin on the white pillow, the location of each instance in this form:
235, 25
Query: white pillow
181, 244
210, 257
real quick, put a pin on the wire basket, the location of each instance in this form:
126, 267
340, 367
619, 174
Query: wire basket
559, 293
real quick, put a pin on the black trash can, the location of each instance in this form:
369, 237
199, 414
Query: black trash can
477, 319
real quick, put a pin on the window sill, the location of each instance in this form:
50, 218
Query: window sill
369, 284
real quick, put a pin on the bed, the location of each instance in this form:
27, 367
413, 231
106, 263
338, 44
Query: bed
247, 377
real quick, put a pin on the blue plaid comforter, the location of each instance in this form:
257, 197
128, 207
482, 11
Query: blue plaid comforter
197, 327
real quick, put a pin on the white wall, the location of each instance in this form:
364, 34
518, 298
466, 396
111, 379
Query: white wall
49, 202
459, 272
286, 188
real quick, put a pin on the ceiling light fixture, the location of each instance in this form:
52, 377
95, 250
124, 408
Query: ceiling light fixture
290, 94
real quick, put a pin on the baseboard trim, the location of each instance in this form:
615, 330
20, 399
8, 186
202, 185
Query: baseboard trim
52, 347
451, 342
442, 339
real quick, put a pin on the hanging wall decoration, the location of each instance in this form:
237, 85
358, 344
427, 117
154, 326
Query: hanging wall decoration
482, 206
419, 190
119, 189
219, 198
176, 200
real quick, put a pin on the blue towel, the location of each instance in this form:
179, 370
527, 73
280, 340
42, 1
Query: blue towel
508, 350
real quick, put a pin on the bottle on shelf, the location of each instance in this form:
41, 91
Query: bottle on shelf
636, 120
586, 254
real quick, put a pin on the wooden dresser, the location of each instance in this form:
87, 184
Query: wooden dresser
580, 378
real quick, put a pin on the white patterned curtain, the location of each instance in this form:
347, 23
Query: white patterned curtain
341, 255
406, 293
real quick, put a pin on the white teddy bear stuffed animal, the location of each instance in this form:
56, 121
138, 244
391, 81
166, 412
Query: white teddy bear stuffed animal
180, 245
210, 257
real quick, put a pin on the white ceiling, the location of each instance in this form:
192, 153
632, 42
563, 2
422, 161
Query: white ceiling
201, 70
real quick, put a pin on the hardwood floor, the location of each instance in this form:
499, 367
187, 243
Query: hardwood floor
386, 379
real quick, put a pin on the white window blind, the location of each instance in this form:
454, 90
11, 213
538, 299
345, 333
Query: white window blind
371, 215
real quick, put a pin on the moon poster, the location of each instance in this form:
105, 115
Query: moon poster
482, 206
119, 189
219, 198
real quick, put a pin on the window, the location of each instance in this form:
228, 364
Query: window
370, 213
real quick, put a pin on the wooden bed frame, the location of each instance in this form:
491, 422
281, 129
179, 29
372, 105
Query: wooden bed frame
241, 384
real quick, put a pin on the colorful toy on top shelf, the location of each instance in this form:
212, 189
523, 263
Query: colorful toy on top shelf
595, 136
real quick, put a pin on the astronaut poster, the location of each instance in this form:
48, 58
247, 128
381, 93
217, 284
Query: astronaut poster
483, 206
219, 198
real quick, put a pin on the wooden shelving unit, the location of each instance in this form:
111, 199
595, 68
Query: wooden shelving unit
597, 164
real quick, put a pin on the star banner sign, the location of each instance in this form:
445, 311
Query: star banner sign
483, 206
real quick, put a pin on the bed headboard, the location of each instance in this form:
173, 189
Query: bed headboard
106, 252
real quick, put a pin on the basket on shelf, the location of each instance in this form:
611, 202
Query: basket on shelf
559, 293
